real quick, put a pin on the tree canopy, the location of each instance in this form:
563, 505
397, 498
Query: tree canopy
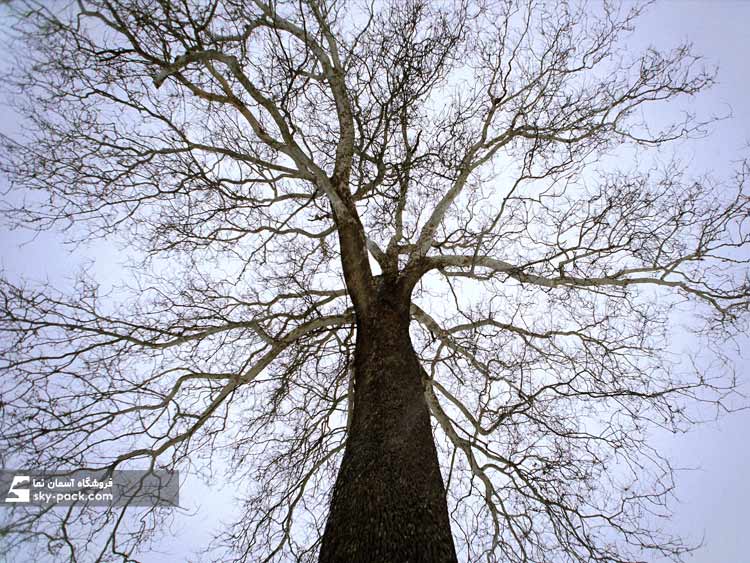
271, 164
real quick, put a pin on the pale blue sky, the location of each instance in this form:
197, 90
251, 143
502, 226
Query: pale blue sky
716, 497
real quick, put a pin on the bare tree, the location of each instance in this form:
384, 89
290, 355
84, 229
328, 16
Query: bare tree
392, 269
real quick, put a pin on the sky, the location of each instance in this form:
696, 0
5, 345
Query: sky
715, 495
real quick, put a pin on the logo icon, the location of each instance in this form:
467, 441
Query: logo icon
16, 494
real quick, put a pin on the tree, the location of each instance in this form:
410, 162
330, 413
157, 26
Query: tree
392, 265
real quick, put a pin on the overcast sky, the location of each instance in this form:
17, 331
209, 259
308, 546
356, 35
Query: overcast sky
716, 497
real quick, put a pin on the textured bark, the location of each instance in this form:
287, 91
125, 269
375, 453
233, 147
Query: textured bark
389, 499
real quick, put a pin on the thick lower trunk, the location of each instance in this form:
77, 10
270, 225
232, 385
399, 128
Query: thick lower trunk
389, 502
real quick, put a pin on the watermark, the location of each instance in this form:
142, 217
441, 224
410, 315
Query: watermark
91, 488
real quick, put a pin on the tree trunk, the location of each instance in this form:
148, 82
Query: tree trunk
389, 501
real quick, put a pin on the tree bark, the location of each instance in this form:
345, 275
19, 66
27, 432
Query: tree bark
389, 502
